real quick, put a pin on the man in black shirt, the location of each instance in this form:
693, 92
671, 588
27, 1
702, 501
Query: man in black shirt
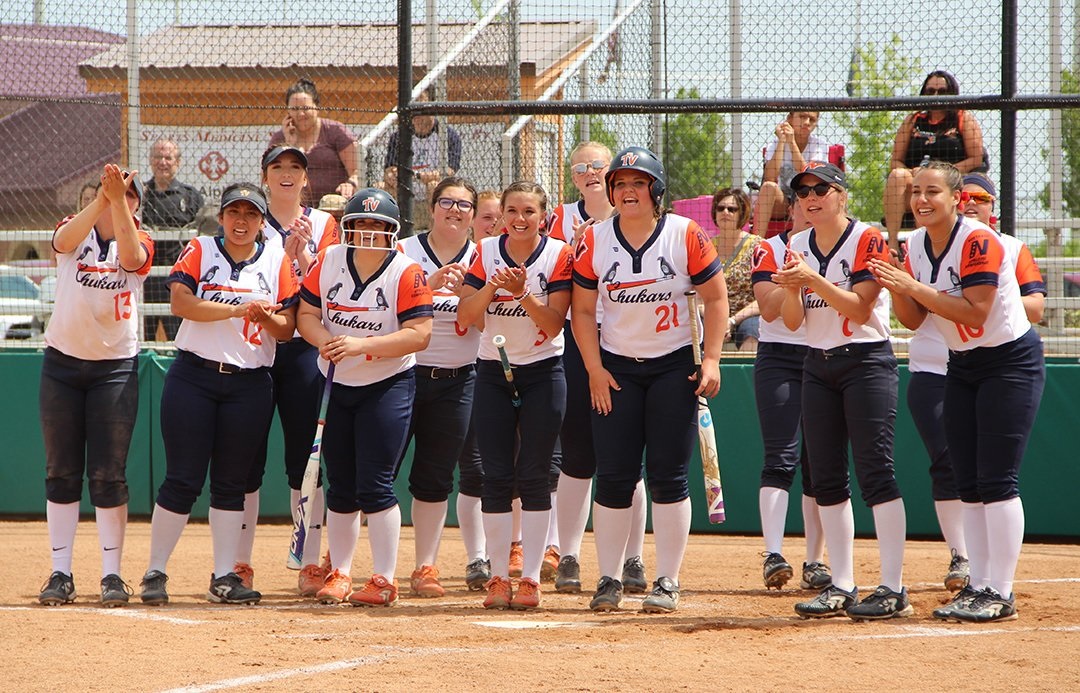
169, 203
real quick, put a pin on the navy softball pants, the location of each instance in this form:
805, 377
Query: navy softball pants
778, 373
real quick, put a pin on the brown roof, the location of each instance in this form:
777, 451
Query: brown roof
40, 60
541, 45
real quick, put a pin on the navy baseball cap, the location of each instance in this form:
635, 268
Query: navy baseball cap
981, 181
828, 172
274, 153
244, 192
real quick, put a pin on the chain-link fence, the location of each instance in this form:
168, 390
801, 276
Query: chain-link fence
516, 84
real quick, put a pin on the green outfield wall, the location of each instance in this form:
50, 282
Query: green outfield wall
1051, 469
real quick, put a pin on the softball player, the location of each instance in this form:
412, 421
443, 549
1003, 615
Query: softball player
89, 378
960, 275
445, 378
518, 287
368, 309
849, 389
237, 299
589, 161
641, 370
778, 371
302, 232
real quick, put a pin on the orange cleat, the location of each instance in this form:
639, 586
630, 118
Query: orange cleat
527, 595
246, 574
517, 559
336, 589
550, 566
312, 579
425, 582
499, 593
377, 592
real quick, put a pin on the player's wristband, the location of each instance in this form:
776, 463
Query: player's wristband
524, 293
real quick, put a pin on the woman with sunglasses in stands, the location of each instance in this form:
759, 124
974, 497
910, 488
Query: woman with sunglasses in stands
90, 378
445, 377
849, 390
735, 247
941, 135
589, 162
928, 363
959, 274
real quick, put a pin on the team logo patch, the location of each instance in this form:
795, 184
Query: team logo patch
371, 204
629, 159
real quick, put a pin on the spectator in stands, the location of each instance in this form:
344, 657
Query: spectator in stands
169, 203
426, 153
735, 248
329, 145
795, 144
951, 136
334, 205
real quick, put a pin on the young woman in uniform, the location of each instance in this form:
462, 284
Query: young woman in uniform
445, 378
959, 274
518, 287
237, 299
367, 309
90, 378
589, 161
303, 232
849, 391
643, 383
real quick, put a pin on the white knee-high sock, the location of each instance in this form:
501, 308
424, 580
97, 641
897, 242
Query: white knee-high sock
63, 521
838, 525
516, 505
978, 545
671, 531
611, 529
573, 513
498, 528
471, 522
640, 507
815, 537
772, 504
342, 533
552, 533
225, 528
247, 528
165, 530
111, 524
1005, 534
384, 533
534, 533
428, 520
890, 524
950, 517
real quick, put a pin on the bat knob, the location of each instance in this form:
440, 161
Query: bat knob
499, 341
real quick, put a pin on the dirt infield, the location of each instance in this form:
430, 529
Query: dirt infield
729, 633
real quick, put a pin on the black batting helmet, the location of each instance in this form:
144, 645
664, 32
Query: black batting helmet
372, 203
638, 159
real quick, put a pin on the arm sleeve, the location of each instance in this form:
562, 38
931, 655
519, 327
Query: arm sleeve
584, 275
186, 269
1028, 275
980, 259
871, 245
702, 263
148, 245
764, 263
309, 290
562, 274
476, 277
413, 295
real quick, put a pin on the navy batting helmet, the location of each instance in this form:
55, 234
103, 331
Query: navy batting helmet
638, 159
372, 203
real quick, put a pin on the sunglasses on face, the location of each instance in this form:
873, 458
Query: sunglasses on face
980, 197
725, 208
595, 164
931, 91
821, 190
449, 203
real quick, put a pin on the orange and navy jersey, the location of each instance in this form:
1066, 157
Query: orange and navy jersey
974, 256
642, 290
451, 346
396, 293
846, 265
561, 226
547, 271
324, 232
768, 259
96, 314
928, 352
206, 269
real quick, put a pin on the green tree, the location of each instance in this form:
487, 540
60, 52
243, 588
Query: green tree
697, 152
1070, 147
879, 72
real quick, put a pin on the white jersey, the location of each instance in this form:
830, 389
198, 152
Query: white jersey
643, 291
768, 259
561, 226
396, 293
96, 315
451, 346
206, 269
974, 256
845, 266
324, 231
547, 271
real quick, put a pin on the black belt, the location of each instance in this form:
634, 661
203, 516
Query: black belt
437, 373
782, 348
855, 349
224, 368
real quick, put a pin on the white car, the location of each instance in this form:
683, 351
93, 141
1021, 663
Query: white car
22, 312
